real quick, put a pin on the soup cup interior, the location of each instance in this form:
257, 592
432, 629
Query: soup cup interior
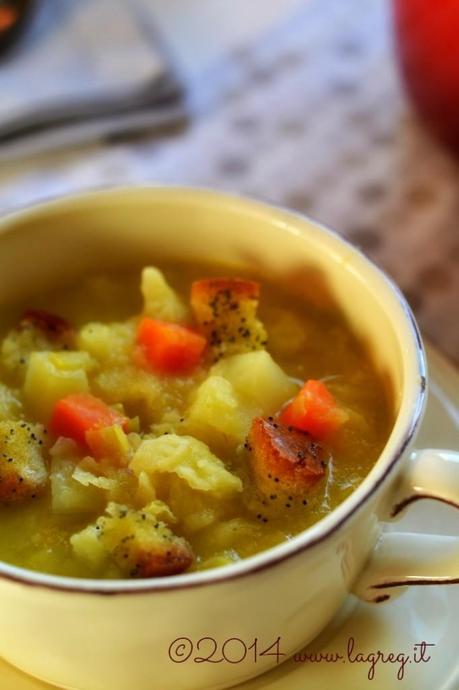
54, 244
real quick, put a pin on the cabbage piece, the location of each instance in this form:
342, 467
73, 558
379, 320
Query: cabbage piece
189, 459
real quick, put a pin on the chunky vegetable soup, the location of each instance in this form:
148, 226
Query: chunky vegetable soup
176, 427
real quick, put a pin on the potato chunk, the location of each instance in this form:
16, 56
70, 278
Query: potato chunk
53, 375
88, 548
226, 308
189, 459
140, 544
159, 299
283, 458
217, 413
259, 381
37, 331
109, 343
73, 493
239, 388
194, 510
23, 473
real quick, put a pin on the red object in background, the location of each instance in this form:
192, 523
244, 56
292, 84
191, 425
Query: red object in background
427, 35
14, 16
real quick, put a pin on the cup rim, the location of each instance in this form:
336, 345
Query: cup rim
291, 222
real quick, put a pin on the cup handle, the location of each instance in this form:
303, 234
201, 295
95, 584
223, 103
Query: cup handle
402, 559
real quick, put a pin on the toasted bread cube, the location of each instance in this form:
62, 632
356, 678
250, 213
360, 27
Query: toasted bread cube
225, 309
283, 458
53, 327
23, 472
141, 544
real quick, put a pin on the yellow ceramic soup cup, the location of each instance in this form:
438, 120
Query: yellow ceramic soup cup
95, 634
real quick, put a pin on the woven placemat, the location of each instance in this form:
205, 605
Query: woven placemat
312, 117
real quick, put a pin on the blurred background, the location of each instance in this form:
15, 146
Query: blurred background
298, 102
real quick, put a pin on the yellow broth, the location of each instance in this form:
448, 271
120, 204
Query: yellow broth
305, 340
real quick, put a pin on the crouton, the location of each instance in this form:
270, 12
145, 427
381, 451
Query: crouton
54, 327
225, 309
141, 544
283, 458
23, 472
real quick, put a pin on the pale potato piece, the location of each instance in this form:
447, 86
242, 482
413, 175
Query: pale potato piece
159, 299
70, 496
21, 341
84, 485
51, 376
194, 509
88, 548
218, 411
171, 422
189, 459
258, 380
194, 522
219, 560
107, 343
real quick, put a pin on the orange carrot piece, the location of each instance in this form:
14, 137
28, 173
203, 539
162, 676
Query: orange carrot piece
169, 348
314, 410
76, 414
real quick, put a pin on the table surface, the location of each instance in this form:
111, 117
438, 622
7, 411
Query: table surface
300, 106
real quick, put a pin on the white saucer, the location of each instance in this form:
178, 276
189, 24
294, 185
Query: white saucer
429, 614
